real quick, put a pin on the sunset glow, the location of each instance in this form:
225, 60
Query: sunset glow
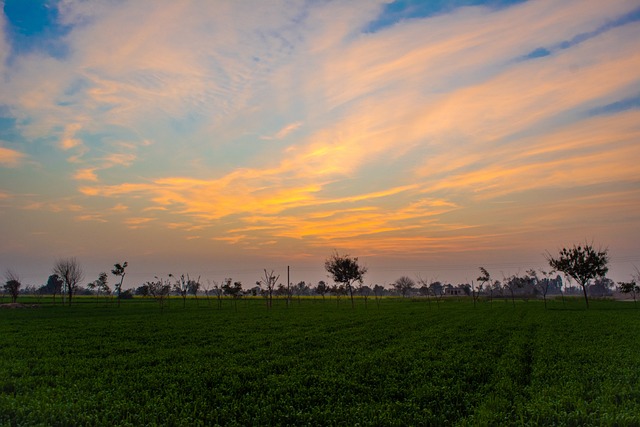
219, 138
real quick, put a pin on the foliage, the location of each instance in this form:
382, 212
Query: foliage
118, 270
404, 285
630, 288
345, 271
12, 284
319, 364
582, 263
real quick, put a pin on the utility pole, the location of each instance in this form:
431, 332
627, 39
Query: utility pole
288, 288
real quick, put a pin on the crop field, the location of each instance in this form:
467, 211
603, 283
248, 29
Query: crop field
315, 362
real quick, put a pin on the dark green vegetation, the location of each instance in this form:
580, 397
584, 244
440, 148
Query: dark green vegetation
319, 363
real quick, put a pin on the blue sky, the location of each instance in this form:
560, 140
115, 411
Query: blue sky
218, 138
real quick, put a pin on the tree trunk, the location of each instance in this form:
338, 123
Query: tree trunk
584, 291
351, 295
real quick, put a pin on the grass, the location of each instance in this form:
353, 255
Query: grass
318, 363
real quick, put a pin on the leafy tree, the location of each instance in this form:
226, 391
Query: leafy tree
100, 284
404, 285
512, 283
143, 290
485, 278
322, 288
345, 271
234, 290
630, 288
118, 270
300, 289
53, 286
364, 291
378, 291
582, 263
193, 286
12, 285
338, 291
542, 285
71, 274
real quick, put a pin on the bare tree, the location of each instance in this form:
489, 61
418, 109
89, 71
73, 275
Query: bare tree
219, 291
71, 273
582, 263
269, 282
181, 286
345, 271
12, 284
159, 290
118, 270
476, 290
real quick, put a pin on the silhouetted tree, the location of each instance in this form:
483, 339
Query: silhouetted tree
219, 291
364, 291
485, 278
269, 282
181, 287
143, 290
300, 288
582, 263
118, 270
345, 271
160, 290
12, 285
193, 286
322, 288
542, 285
404, 285
71, 273
234, 290
53, 286
630, 288
377, 292
512, 283
100, 284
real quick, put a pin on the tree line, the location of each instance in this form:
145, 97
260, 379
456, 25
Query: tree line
584, 264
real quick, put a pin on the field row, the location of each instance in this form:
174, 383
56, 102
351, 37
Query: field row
399, 362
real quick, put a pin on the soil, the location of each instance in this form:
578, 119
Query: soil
18, 305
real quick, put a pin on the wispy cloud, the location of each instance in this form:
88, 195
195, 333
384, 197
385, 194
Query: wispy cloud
9, 157
315, 125
86, 175
282, 133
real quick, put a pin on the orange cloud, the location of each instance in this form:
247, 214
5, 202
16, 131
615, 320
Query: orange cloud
9, 157
87, 174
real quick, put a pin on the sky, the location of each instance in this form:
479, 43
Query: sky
218, 138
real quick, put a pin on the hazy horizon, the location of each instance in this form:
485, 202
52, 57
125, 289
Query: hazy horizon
219, 138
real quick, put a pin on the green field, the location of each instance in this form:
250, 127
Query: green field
402, 362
